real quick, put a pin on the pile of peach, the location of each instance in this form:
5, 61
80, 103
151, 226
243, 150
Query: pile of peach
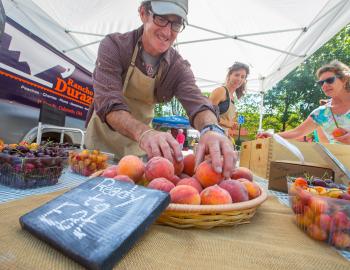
87, 162
323, 218
186, 186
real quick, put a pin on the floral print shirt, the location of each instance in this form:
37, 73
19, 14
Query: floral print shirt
322, 116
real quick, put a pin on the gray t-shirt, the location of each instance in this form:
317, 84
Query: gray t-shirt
150, 62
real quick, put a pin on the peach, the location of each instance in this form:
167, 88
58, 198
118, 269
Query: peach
175, 179
324, 221
183, 175
341, 240
304, 196
303, 220
124, 178
338, 132
318, 206
189, 164
161, 184
178, 167
316, 232
215, 195
131, 166
206, 175
252, 188
185, 195
242, 172
237, 190
340, 221
309, 213
159, 167
298, 207
110, 171
191, 181
300, 182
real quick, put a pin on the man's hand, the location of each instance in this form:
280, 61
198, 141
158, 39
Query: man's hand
157, 143
217, 146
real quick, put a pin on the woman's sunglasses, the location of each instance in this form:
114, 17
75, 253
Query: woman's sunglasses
329, 80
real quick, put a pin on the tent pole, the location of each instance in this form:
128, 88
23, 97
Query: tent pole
261, 86
81, 46
84, 33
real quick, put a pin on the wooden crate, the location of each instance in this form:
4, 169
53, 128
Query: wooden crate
244, 158
263, 151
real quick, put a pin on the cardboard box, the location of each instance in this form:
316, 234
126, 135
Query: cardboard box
245, 153
280, 169
264, 151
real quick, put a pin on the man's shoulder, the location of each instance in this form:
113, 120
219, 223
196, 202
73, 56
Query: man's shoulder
123, 40
175, 59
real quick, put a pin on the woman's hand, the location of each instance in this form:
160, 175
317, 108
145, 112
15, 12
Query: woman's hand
344, 138
263, 135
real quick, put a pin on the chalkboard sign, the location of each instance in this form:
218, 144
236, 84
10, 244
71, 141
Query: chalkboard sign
97, 222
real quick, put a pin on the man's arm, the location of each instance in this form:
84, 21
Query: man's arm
204, 118
110, 105
154, 143
126, 124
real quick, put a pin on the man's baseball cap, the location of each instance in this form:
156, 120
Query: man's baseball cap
166, 7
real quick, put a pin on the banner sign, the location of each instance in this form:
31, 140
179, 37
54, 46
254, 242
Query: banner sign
33, 72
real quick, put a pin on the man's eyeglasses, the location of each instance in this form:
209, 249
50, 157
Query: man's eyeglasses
329, 80
163, 22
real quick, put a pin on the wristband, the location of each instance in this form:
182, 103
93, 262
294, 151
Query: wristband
143, 134
212, 127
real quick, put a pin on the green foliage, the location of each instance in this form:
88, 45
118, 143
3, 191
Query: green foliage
248, 106
173, 107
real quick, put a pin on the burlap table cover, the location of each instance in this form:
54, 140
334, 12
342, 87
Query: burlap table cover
271, 241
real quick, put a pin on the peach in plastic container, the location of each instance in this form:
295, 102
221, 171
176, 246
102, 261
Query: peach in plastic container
322, 212
87, 162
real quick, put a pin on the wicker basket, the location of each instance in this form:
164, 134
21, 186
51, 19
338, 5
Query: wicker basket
208, 216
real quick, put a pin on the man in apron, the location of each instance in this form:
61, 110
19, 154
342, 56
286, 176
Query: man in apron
138, 69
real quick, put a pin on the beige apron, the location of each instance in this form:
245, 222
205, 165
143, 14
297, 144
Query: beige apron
229, 115
138, 91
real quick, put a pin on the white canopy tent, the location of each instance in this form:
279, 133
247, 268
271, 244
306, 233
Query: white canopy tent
272, 36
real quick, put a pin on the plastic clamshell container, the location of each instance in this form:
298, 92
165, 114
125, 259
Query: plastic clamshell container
323, 218
86, 162
22, 172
